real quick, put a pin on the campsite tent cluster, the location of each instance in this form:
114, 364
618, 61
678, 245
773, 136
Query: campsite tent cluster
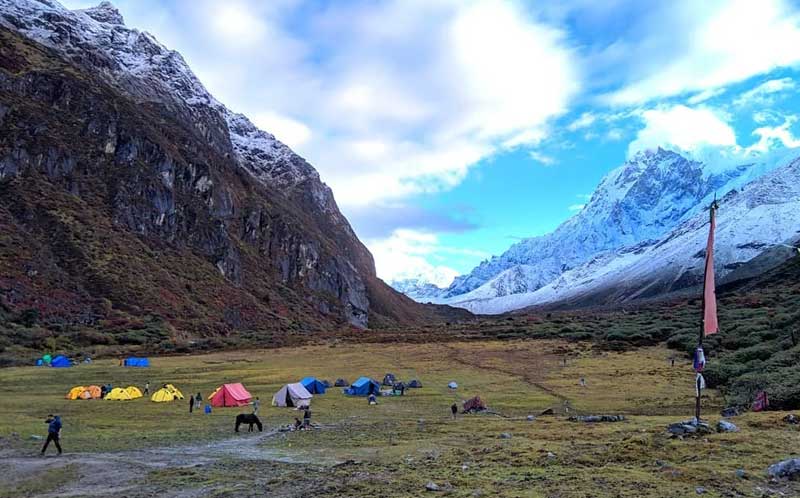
96, 392
59, 361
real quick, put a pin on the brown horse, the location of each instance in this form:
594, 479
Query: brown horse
250, 419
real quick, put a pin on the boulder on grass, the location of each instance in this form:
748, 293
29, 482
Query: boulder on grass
787, 468
725, 426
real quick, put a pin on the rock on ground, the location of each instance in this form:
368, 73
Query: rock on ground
787, 468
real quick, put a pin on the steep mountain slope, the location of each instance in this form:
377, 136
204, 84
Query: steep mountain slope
762, 215
131, 199
635, 205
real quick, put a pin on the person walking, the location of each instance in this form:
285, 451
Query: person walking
147, 388
198, 401
191, 404
454, 410
53, 433
256, 405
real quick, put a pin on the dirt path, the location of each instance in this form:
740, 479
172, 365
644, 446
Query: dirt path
122, 473
533, 377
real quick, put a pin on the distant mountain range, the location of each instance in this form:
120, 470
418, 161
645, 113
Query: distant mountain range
642, 234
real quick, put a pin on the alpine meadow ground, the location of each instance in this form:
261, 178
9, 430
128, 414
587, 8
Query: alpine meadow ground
403, 444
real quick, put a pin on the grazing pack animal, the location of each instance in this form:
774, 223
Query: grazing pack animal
248, 418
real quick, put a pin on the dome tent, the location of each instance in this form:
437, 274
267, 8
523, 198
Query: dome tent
341, 383
166, 394
313, 385
364, 386
134, 392
415, 383
60, 361
452, 385
118, 394
75, 392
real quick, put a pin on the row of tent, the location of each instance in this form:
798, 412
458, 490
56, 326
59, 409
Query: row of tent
166, 393
59, 361
62, 361
95, 392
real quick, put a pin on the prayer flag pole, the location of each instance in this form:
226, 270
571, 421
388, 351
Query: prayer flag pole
709, 324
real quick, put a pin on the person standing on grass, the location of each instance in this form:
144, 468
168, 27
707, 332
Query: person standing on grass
191, 404
53, 433
147, 388
454, 410
307, 418
198, 401
256, 405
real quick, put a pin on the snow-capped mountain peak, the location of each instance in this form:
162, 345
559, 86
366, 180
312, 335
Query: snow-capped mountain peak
636, 205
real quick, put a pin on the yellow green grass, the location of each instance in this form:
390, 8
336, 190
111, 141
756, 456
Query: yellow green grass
396, 447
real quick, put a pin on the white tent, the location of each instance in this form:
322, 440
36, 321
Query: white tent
292, 395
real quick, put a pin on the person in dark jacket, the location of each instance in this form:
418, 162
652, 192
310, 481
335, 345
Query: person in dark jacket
191, 404
198, 401
53, 433
454, 410
307, 418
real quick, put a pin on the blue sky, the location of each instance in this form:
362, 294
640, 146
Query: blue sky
450, 129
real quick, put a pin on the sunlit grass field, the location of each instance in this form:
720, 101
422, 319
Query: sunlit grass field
396, 447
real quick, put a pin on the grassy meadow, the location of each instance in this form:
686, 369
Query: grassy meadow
398, 446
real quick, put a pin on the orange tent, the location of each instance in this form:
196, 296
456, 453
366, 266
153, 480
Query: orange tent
94, 392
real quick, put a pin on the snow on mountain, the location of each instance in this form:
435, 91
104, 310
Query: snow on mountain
417, 289
751, 219
641, 200
424, 286
147, 70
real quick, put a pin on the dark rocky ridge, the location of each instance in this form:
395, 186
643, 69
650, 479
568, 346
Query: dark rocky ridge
116, 208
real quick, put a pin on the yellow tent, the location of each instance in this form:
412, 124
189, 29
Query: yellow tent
134, 392
75, 392
174, 390
214, 393
163, 395
118, 394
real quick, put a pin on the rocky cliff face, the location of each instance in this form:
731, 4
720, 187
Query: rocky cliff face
127, 190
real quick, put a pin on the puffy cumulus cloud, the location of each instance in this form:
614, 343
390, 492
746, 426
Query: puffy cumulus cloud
692, 46
405, 255
770, 137
682, 127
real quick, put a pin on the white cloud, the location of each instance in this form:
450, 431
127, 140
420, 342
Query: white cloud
770, 137
682, 127
763, 93
705, 95
386, 99
576, 207
404, 255
694, 46
585, 120
542, 158
289, 131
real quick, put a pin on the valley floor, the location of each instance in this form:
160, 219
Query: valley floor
139, 448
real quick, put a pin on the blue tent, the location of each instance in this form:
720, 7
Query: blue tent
60, 362
136, 362
364, 386
39, 362
313, 385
